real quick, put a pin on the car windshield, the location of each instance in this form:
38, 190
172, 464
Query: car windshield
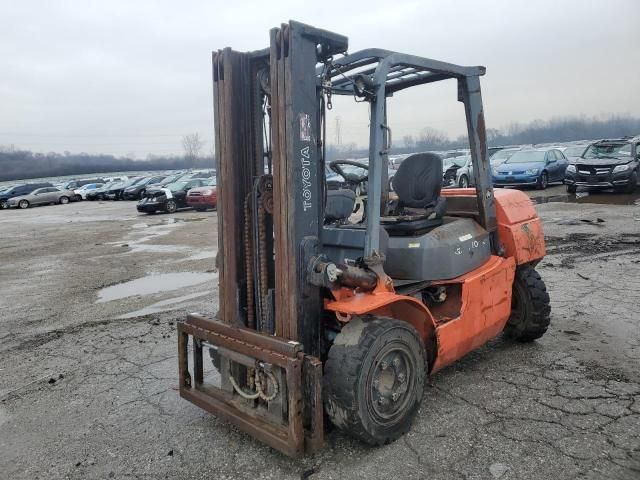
527, 156
211, 182
604, 150
454, 162
574, 151
171, 179
176, 187
503, 155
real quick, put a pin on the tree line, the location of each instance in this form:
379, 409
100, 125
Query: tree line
21, 164
18, 164
556, 130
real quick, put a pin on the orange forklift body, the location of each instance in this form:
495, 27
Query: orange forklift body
481, 308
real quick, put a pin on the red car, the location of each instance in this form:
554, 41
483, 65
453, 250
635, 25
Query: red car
204, 197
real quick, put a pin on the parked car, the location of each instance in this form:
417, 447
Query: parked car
116, 189
464, 175
81, 193
606, 164
42, 196
502, 155
100, 192
534, 167
73, 184
19, 190
136, 191
574, 152
450, 167
203, 197
169, 198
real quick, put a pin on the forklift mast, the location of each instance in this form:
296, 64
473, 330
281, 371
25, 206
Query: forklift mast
271, 181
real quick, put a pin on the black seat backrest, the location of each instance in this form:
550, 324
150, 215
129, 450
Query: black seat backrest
339, 204
418, 180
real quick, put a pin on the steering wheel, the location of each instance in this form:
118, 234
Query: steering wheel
350, 178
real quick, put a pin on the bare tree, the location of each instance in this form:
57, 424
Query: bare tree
432, 138
192, 145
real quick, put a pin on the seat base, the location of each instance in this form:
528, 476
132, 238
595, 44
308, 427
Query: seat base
456, 247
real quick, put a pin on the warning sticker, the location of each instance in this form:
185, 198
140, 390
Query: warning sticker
305, 127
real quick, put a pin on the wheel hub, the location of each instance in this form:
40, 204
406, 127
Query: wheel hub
389, 386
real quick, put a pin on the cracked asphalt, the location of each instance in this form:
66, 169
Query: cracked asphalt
88, 388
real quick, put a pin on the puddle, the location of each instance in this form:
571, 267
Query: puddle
163, 305
146, 248
154, 283
603, 198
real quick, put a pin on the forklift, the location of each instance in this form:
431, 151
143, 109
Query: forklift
327, 316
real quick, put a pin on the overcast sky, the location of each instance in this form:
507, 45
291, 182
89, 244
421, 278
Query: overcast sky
132, 77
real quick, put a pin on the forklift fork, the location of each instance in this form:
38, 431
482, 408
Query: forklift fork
299, 376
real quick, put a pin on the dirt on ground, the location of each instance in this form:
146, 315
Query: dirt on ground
91, 293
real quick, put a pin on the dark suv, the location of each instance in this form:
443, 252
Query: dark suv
605, 164
18, 190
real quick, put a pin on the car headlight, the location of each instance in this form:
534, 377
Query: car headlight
208, 192
531, 171
495, 171
571, 168
621, 168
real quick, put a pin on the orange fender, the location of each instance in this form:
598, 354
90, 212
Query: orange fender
385, 304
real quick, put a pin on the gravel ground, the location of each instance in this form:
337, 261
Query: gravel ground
88, 368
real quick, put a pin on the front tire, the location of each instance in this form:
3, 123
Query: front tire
23, 204
463, 182
633, 183
374, 378
571, 189
171, 206
530, 306
64, 200
543, 181
4, 205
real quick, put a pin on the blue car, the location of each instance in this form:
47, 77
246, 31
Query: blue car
533, 167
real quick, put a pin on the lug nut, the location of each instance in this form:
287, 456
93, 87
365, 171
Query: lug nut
395, 396
384, 365
396, 362
401, 377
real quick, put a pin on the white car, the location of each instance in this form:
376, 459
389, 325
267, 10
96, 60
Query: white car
83, 190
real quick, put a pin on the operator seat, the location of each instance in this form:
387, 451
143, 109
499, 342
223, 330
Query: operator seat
419, 207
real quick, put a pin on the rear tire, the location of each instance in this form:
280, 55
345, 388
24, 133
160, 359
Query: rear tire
63, 200
4, 205
571, 189
23, 204
530, 306
463, 182
374, 378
